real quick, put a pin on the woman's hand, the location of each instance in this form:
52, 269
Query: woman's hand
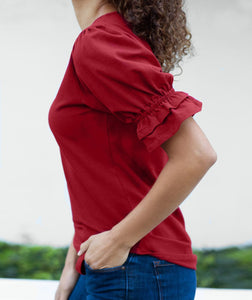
104, 251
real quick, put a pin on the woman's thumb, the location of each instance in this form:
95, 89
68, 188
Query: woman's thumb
83, 247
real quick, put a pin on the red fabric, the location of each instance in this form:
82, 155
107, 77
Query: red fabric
113, 110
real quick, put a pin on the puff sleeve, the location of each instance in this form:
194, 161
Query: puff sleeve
124, 75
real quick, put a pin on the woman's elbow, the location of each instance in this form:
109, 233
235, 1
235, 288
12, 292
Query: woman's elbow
207, 157
190, 143
213, 156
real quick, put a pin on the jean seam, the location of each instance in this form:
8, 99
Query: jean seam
132, 255
126, 283
157, 279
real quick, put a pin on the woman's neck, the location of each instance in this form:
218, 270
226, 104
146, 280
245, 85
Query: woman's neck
87, 11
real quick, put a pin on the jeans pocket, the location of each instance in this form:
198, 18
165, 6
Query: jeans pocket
174, 281
163, 263
112, 269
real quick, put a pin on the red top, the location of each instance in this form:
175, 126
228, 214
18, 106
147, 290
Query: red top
113, 110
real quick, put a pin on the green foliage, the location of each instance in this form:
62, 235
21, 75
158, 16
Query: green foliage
36, 262
225, 268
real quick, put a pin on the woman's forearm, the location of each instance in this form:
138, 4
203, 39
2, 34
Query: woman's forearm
191, 156
174, 184
71, 257
69, 275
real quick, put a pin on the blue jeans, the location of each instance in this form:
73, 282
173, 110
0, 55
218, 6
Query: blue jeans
141, 277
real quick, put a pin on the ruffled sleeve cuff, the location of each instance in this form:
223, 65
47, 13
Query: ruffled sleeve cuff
162, 119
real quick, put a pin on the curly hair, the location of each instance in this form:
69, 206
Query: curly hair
162, 23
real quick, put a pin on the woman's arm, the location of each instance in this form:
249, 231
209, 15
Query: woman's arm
190, 156
69, 275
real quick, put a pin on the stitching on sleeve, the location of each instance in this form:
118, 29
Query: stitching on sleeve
157, 100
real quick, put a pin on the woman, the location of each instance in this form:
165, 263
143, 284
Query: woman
131, 153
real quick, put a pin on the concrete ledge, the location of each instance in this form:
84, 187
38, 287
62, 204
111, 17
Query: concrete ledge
223, 294
25, 289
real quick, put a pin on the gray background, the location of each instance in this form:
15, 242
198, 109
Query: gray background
36, 40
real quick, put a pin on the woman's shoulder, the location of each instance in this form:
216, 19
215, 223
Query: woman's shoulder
110, 36
102, 31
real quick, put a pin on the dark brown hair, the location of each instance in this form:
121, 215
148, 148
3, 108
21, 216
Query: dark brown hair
162, 23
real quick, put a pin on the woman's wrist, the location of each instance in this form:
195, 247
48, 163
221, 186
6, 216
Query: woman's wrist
122, 239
